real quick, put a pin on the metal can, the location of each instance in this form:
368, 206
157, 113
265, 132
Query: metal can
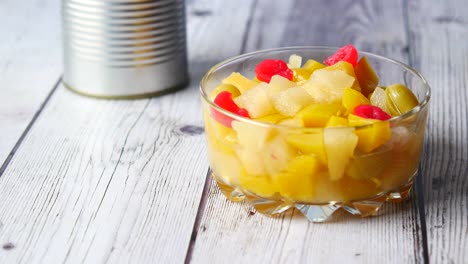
124, 48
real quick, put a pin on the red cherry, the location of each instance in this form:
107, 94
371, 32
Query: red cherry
346, 53
225, 101
372, 112
268, 68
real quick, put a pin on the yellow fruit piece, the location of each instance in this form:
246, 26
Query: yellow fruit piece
353, 98
373, 136
256, 101
337, 121
366, 76
273, 119
301, 75
312, 65
298, 182
240, 82
370, 165
309, 144
348, 69
261, 185
339, 146
327, 86
317, 115
224, 87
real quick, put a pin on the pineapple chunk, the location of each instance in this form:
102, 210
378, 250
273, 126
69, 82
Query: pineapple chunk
256, 101
312, 65
298, 182
317, 115
353, 98
295, 61
251, 161
240, 82
278, 84
312, 144
348, 69
373, 136
290, 101
327, 86
339, 146
301, 75
276, 155
252, 137
378, 98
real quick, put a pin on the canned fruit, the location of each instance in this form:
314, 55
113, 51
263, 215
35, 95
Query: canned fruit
317, 133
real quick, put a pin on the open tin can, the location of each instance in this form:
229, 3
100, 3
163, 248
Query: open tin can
124, 48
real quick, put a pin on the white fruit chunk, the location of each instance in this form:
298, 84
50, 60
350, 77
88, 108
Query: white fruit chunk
251, 136
379, 99
289, 102
327, 86
276, 155
295, 61
339, 146
278, 84
256, 101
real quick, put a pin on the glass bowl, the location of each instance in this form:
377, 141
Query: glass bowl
266, 165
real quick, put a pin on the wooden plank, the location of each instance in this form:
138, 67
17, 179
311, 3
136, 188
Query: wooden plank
234, 233
439, 49
99, 181
30, 64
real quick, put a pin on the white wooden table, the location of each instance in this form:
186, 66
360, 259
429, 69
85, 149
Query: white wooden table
94, 181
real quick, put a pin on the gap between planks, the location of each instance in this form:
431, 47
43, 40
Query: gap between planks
419, 185
28, 127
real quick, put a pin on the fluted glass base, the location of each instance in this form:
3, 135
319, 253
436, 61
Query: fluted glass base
316, 212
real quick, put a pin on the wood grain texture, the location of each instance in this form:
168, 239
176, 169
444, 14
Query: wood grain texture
234, 233
439, 49
30, 64
98, 181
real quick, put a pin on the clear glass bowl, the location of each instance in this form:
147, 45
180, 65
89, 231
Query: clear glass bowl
257, 162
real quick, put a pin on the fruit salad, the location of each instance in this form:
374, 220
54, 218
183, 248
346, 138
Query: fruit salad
304, 131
